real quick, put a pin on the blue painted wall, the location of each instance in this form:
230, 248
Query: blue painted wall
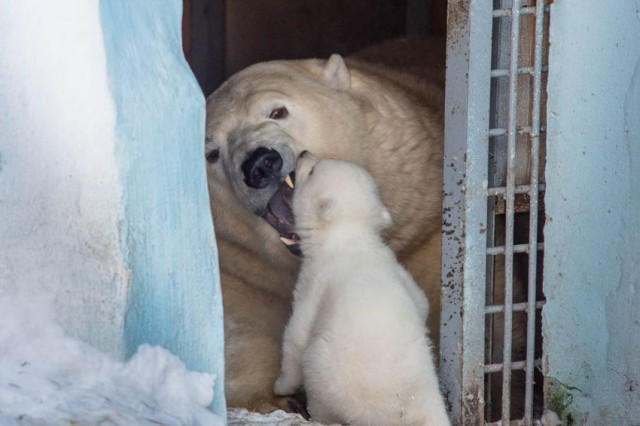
592, 236
167, 234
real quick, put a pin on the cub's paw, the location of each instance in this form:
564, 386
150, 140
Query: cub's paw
284, 385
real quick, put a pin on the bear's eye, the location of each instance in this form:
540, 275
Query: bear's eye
212, 156
279, 113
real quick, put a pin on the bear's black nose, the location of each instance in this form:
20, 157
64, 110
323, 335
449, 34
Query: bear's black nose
262, 167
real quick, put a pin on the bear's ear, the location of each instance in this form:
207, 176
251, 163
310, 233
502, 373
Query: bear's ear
336, 73
386, 218
327, 210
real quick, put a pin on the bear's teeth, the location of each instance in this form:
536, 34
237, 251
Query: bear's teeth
289, 181
287, 241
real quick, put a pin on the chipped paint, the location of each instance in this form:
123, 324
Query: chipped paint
465, 208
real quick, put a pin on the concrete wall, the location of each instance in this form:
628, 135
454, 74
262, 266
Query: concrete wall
104, 209
592, 249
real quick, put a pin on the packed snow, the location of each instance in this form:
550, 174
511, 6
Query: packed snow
48, 377
240, 416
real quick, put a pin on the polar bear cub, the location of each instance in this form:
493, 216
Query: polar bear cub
356, 340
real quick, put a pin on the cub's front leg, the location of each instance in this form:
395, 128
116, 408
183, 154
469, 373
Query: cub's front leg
290, 379
295, 342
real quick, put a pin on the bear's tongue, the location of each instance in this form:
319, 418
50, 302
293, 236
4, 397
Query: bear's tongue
279, 214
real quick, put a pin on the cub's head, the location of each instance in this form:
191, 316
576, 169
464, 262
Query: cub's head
262, 118
334, 193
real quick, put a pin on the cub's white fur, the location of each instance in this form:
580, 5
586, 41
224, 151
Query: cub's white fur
356, 340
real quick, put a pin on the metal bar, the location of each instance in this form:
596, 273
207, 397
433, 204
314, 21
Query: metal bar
465, 208
511, 423
515, 248
520, 189
533, 211
518, 365
521, 71
503, 13
517, 307
490, 321
509, 219
520, 130
526, 10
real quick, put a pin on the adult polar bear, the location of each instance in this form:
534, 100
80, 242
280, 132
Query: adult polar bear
258, 122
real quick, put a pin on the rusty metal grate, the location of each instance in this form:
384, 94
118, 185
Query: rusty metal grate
493, 211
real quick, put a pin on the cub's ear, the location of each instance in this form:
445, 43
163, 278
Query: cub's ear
327, 210
336, 73
386, 218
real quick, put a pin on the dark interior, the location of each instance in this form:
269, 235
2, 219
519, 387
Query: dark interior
221, 37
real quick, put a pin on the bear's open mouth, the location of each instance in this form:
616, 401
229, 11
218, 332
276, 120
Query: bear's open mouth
279, 214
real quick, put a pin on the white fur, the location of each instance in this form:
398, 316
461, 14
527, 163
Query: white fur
356, 340
387, 121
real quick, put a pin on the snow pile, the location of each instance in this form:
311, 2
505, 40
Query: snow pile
48, 377
240, 416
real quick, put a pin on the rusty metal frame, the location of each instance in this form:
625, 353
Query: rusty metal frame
471, 194
465, 208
